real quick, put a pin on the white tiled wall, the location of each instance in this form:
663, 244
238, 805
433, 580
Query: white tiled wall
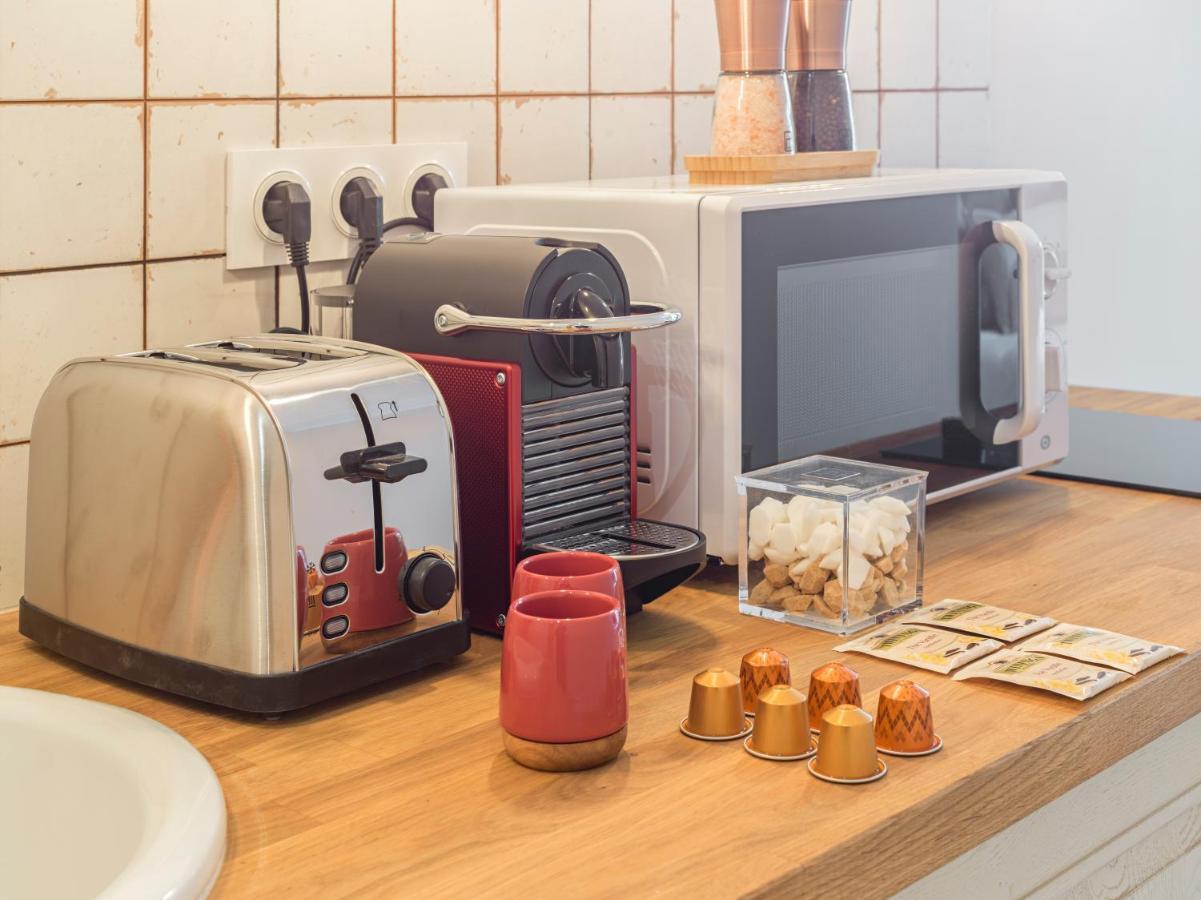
115, 118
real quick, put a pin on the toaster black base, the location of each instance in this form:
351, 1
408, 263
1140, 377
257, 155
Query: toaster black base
264, 694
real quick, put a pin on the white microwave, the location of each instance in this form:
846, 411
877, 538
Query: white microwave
913, 318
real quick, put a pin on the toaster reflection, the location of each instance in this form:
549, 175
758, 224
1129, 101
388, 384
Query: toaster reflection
359, 596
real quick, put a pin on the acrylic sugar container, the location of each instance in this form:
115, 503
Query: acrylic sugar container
830, 543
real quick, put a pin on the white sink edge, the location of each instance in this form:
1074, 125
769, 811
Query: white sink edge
178, 858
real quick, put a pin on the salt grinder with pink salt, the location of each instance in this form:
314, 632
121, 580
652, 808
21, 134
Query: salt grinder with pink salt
752, 114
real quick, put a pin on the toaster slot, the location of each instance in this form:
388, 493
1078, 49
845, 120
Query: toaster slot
208, 357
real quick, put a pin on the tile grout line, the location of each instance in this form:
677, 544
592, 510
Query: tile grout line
278, 89
392, 63
937, 83
880, 82
320, 98
671, 83
588, 55
140, 261
496, 134
145, 173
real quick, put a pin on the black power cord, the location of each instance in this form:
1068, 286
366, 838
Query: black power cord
288, 212
423, 204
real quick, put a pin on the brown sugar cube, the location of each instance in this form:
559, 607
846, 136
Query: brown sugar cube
875, 580
798, 603
830, 610
890, 593
782, 594
884, 564
861, 602
899, 552
899, 571
776, 574
814, 578
761, 593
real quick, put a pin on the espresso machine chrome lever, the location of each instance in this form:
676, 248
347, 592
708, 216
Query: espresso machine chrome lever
450, 319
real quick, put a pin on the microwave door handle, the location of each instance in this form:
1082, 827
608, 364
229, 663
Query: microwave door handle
450, 319
1031, 331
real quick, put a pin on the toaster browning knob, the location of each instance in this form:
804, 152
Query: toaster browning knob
427, 583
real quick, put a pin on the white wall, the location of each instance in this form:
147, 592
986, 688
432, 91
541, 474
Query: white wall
1110, 94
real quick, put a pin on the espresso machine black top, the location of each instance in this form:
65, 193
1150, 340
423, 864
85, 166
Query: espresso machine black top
487, 291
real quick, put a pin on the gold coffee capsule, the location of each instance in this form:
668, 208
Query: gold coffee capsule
781, 723
761, 669
715, 708
904, 722
831, 685
847, 749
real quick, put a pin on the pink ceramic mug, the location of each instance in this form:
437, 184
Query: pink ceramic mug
568, 570
563, 667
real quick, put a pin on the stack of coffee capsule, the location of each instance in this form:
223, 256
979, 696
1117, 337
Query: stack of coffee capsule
723, 707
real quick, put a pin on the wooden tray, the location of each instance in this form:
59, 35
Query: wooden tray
780, 167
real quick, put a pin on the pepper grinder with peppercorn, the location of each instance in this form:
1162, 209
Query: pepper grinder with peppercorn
752, 114
817, 76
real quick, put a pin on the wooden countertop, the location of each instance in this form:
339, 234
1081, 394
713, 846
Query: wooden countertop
404, 789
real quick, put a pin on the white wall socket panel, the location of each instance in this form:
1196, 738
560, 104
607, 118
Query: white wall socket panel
324, 171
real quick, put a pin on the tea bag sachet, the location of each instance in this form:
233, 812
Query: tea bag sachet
926, 648
1049, 673
1106, 648
980, 618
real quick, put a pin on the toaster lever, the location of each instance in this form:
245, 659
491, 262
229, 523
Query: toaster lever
387, 463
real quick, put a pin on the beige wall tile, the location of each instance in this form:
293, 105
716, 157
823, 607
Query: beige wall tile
70, 184
473, 121
908, 130
631, 136
863, 45
198, 300
445, 47
543, 139
185, 200
543, 46
697, 60
14, 472
964, 58
963, 126
631, 45
326, 123
694, 127
319, 275
866, 109
218, 48
48, 318
70, 49
328, 49
908, 30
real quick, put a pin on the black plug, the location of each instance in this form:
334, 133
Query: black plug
362, 206
423, 196
288, 212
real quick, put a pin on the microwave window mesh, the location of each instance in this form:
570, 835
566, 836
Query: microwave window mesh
864, 347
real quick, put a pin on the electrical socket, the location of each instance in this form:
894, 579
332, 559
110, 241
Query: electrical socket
324, 171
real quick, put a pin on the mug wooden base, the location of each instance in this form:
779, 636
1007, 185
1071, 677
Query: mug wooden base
564, 757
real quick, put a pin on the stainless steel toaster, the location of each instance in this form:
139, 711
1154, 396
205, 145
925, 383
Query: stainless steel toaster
260, 523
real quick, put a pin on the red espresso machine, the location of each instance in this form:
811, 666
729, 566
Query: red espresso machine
528, 340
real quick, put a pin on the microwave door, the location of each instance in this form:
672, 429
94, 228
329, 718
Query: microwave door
893, 331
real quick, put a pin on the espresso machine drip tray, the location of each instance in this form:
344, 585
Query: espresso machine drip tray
654, 556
